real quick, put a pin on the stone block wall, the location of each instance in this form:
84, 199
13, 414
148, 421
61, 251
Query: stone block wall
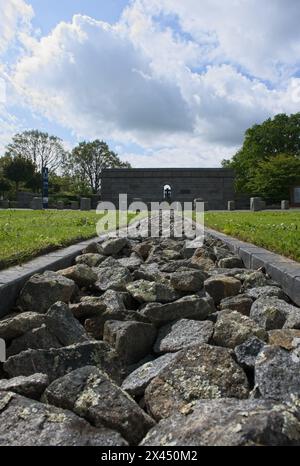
213, 185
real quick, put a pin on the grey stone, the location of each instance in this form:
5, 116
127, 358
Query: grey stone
24, 422
231, 262
136, 382
32, 386
221, 286
173, 266
92, 248
188, 307
256, 204
143, 249
221, 252
188, 281
91, 259
146, 292
199, 372
285, 205
229, 422
247, 352
60, 361
288, 338
265, 292
131, 340
231, 205
109, 261
43, 290
274, 313
81, 274
113, 246
277, 372
90, 306
234, 328
114, 278
182, 334
131, 263
240, 303
150, 272
18, 324
202, 263
89, 393
37, 338
85, 203
95, 325
254, 279
61, 323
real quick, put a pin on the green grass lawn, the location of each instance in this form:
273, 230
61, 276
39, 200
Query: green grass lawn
276, 231
25, 234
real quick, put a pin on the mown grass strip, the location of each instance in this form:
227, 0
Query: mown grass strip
276, 231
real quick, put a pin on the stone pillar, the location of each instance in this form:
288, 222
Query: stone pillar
60, 205
74, 205
231, 205
205, 203
85, 203
285, 205
256, 204
37, 203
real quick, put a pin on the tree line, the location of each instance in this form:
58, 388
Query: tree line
268, 163
74, 172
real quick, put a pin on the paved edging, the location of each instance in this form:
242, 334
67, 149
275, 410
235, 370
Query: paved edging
281, 269
13, 278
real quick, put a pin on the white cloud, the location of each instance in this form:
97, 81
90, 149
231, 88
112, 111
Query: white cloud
262, 36
184, 80
15, 20
88, 75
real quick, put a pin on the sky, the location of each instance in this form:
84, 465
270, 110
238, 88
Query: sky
167, 83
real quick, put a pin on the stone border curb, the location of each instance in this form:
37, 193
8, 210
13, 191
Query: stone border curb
13, 278
281, 269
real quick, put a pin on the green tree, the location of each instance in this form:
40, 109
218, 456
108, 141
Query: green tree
88, 159
4, 185
35, 182
41, 148
19, 170
274, 177
280, 135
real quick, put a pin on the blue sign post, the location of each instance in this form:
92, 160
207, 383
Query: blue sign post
45, 175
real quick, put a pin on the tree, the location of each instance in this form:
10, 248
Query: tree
280, 135
43, 150
19, 170
4, 185
274, 177
87, 161
35, 182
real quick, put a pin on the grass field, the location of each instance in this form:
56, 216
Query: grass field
25, 234
276, 231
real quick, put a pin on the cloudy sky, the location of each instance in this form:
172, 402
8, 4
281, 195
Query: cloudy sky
164, 82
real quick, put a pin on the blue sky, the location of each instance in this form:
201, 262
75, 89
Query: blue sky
48, 13
164, 82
